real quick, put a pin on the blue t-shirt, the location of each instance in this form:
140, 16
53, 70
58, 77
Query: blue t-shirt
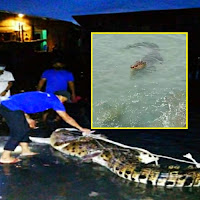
33, 102
57, 79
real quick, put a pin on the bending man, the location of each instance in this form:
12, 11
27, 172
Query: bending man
15, 110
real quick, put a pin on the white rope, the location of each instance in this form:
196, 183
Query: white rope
189, 156
117, 143
179, 160
156, 156
145, 159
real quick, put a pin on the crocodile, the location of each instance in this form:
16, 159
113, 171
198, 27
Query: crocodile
133, 164
148, 60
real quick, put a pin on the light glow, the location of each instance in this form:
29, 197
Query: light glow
20, 15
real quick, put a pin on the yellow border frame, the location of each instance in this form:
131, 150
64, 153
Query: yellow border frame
186, 33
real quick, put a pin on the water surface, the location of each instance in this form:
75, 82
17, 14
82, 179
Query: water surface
152, 97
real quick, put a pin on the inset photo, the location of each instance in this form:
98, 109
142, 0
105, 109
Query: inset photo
139, 80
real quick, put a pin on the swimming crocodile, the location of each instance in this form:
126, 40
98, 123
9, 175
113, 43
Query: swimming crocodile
133, 164
148, 60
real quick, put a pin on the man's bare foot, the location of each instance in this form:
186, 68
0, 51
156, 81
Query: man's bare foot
10, 160
30, 153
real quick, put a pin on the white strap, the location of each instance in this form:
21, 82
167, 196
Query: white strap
154, 157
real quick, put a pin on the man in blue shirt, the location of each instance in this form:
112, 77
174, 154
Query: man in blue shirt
57, 79
15, 110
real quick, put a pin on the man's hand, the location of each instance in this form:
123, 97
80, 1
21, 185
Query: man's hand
3, 93
85, 131
31, 122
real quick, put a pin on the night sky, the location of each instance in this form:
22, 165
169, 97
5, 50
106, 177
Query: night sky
64, 9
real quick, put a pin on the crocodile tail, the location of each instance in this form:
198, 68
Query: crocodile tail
154, 175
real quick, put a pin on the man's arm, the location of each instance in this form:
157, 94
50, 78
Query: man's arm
72, 88
10, 84
71, 121
31, 122
41, 84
